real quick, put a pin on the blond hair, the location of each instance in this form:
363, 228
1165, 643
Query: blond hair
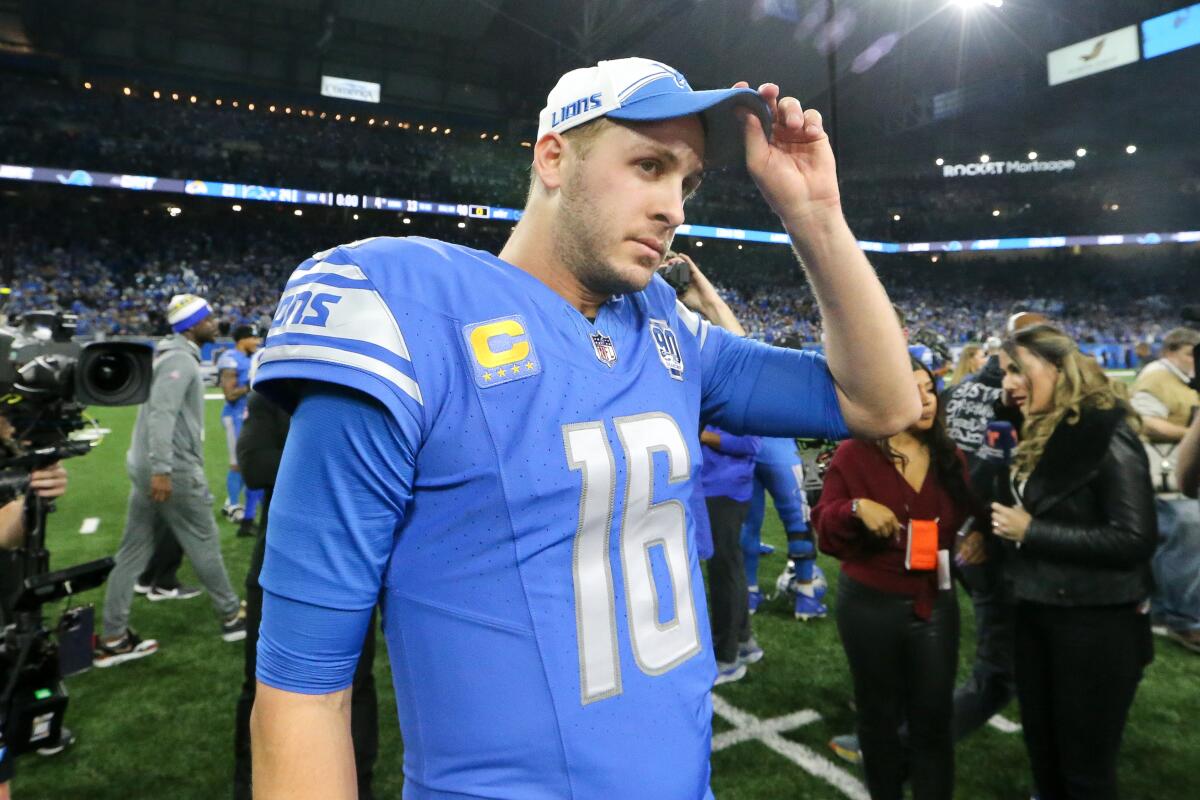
1081, 385
963, 368
581, 138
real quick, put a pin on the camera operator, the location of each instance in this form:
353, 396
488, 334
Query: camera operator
49, 482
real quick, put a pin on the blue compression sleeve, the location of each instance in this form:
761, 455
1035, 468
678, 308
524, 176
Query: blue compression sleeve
344, 483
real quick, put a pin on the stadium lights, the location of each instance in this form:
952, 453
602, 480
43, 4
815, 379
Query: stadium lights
353, 118
462, 224
127, 91
234, 104
939, 161
287, 110
699, 244
338, 117
895, 217
174, 95
527, 144
434, 129
1114, 207
356, 216
386, 123
1081, 152
985, 158
496, 138
1033, 155
995, 212
483, 135
420, 127
272, 109
237, 207
446, 132
192, 98
1131, 149
157, 94
371, 121
218, 101
322, 115
174, 211
250, 106
87, 85
739, 247
934, 259
406, 221
971, 5
298, 212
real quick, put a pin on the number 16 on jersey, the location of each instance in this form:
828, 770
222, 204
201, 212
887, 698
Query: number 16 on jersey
657, 646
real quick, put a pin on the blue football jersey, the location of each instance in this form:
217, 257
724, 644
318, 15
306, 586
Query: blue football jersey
238, 361
542, 599
778, 450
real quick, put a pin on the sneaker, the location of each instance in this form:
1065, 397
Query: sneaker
233, 627
247, 529
809, 608
128, 648
749, 652
728, 673
232, 511
846, 747
1188, 639
141, 588
756, 598
765, 549
65, 740
180, 592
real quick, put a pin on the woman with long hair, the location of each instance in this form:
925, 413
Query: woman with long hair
970, 361
1084, 527
890, 511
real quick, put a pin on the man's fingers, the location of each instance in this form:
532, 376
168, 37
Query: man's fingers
754, 136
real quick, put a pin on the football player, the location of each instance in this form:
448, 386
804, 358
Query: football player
499, 449
233, 371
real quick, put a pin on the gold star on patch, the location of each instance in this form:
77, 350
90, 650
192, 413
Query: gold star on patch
487, 376
501, 373
516, 368
528, 365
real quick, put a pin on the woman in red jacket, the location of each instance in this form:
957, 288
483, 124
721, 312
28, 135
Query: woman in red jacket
890, 511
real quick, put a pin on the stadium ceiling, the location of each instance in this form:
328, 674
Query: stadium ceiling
893, 58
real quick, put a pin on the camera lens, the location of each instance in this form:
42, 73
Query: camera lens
109, 372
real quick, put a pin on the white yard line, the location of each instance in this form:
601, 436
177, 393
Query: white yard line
748, 727
90, 525
1004, 725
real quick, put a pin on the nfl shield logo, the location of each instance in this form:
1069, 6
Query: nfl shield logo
604, 349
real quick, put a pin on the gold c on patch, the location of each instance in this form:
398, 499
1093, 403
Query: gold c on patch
501, 351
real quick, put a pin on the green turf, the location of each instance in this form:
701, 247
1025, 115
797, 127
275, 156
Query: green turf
163, 727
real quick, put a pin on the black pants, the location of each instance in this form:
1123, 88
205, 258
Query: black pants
991, 685
903, 671
364, 707
729, 611
165, 561
1077, 672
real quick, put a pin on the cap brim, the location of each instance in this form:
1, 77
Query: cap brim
725, 141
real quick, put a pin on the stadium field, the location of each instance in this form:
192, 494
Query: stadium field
162, 727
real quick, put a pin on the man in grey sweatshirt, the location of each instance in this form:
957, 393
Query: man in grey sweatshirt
169, 489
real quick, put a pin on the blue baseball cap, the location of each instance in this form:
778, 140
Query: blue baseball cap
641, 90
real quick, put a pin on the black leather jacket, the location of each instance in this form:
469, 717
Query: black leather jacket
1094, 526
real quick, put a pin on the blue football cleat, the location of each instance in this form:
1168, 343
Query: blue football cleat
765, 549
756, 598
809, 608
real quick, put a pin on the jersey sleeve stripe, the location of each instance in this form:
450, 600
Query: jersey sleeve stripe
359, 346
695, 325
339, 357
303, 274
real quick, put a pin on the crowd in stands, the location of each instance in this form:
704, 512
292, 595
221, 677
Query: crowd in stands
47, 124
115, 266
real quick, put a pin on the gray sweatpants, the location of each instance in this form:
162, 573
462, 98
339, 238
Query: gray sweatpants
188, 514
